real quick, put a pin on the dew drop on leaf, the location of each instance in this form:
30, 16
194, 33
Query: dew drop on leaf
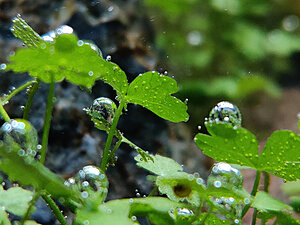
225, 173
103, 109
226, 112
20, 131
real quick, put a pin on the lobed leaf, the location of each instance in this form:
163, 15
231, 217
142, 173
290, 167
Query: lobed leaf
68, 58
27, 171
281, 155
71, 59
160, 165
229, 144
15, 200
153, 91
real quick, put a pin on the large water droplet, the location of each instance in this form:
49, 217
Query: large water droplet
20, 131
91, 182
225, 174
103, 109
51, 35
226, 112
92, 45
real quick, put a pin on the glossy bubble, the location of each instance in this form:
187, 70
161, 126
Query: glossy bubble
93, 46
225, 174
226, 112
91, 182
52, 34
103, 109
21, 132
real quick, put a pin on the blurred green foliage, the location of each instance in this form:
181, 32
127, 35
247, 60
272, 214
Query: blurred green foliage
228, 48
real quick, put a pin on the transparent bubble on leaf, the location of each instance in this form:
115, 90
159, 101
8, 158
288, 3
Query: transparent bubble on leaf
226, 112
21, 132
223, 173
91, 182
103, 109
93, 46
229, 205
51, 35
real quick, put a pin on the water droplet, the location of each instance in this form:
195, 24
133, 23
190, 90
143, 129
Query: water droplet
110, 9
103, 109
91, 73
80, 43
64, 29
92, 45
184, 212
226, 174
226, 112
290, 23
133, 218
89, 182
108, 58
3, 66
194, 38
21, 132
84, 194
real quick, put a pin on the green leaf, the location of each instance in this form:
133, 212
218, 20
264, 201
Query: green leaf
160, 165
4, 218
264, 202
281, 155
15, 200
30, 172
153, 91
229, 144
118, 212
71, 59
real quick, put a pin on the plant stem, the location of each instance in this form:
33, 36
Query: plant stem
4, 113
56, 211
30, 98
266, 181
117, 145
111, 135
29, 209
253, 192
254, 217
16, 91
47, 122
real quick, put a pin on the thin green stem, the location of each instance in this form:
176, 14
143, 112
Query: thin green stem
4, 113
16, 91
29, 209
254, 217
56, 211
113, 152
266, 181
253, 192
31, 94
110, 136
47, 122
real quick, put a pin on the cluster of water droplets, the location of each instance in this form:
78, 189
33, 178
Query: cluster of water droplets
102, 109
22, 133
225, 112
90, 181
224, 175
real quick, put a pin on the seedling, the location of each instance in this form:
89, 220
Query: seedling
58, 56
